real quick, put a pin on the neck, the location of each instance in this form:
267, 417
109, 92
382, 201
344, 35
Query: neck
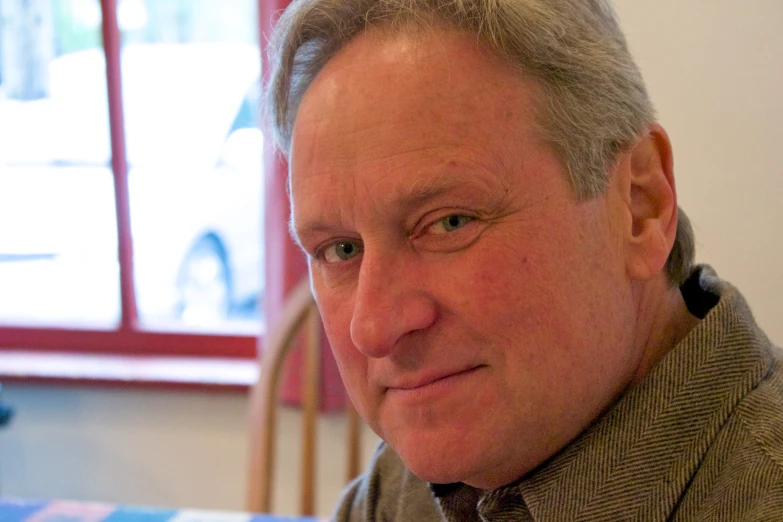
664, 321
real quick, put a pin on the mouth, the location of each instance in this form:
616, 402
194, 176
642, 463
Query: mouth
434, 382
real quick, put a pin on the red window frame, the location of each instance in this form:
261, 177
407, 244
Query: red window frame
284, 263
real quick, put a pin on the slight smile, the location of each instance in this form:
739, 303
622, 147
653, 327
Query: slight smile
430, 386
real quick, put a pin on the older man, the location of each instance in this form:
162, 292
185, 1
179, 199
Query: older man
489, 212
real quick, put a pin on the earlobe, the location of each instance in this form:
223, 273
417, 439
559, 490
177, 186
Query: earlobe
652, 204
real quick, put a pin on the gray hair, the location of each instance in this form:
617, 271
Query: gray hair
595, 104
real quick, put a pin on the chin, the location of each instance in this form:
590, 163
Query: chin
438, 462
458, 472
436, 475
444, 461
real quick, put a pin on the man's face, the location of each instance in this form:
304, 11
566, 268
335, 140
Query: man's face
478, 313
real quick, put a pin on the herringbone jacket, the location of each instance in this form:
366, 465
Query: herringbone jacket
699, 439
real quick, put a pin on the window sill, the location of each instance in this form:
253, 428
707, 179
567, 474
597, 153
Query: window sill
29, 367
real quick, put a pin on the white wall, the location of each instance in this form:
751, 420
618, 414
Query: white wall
124, 445
714, 68
179, 449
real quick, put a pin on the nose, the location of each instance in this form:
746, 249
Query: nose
390, 303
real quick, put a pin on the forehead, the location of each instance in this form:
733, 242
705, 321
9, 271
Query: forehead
433, 73
417, 101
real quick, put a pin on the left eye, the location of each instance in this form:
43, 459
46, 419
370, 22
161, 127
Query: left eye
450, 223
342, 251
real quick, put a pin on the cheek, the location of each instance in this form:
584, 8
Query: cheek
517, 302
538, 282
336, 315
502, 279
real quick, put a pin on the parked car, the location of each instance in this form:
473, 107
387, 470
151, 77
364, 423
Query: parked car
194, 151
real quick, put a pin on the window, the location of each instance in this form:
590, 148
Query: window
173, 174
56, 195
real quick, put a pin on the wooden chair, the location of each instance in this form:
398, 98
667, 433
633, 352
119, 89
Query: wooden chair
299, 312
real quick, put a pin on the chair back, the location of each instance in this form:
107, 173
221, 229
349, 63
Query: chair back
299, 314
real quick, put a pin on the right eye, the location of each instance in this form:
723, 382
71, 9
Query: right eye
341, 251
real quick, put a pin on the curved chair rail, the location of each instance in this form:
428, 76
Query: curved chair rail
299, 311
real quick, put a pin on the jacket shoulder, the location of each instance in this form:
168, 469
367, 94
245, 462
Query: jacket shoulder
741, 476
387, 492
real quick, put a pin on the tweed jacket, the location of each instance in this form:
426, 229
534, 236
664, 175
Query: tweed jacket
700, 438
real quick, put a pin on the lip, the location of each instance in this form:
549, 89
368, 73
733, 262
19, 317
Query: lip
432, 379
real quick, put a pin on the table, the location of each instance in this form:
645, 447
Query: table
70, 511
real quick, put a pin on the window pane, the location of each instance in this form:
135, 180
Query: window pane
190, 94
58, 243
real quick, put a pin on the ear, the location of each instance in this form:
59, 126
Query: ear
652, 203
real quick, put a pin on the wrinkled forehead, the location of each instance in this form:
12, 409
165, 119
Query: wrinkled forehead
393, 112
427, 51
442, 76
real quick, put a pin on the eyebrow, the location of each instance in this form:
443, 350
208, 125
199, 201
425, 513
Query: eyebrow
423, 189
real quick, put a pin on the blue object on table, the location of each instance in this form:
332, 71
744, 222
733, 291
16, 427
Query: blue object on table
6, 412
14, 512
69, 511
